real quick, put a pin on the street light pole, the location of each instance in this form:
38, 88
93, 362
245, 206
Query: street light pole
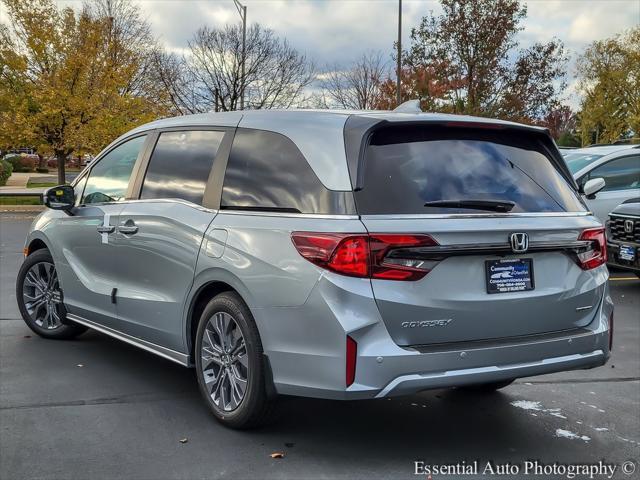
242, 10
399, 55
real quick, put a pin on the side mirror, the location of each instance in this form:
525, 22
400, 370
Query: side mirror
593, 186
60, 198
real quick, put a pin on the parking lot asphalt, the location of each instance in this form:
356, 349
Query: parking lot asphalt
100, 409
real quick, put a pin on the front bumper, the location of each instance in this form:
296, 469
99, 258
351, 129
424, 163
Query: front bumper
307, 352
613, 252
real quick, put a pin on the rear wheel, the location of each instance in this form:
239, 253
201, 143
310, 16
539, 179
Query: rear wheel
40, 298
488, 387
230, 364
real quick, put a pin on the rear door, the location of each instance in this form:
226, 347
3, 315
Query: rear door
159, 235
467, 192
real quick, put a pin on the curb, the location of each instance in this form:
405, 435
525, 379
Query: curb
22, 208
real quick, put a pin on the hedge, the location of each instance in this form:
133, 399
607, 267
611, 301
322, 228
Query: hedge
6, 169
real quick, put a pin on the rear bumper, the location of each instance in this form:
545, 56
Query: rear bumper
311, 360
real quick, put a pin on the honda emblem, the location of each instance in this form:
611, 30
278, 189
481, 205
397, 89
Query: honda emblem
519, 242
628, 226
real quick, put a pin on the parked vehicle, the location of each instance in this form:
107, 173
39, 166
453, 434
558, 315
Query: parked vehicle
623, 236
617, 165
342, 255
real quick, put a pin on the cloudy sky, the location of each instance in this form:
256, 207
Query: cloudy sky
337, 31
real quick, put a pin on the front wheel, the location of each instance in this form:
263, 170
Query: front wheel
230, 364
39, 298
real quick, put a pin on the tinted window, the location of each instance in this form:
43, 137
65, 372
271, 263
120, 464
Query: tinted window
180, 165
620, 174
406, 167
109, 178
266, 171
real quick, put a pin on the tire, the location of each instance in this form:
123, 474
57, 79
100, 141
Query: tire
222, 364
37, 278
488, 387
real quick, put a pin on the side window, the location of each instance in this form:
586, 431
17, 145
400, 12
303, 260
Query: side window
267, 172
180, 165
619, 174
109, 178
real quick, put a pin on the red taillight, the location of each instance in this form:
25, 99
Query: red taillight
596, 255
352, 353
342, 253
364, 255
611, 331
400, 268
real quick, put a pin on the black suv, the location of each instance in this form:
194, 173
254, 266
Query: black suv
623, 236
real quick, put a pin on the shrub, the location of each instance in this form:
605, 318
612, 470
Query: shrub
42, 170
6, 169
22, 163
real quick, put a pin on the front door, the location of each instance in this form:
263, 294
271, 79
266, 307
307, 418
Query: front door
87, 260
622, 182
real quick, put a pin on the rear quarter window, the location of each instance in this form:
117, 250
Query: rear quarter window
408, 166
267, 172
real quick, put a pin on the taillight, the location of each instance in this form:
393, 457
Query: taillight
378, 255
351, 355
391, 257
596, 254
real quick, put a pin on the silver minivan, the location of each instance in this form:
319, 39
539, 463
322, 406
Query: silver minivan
331, 254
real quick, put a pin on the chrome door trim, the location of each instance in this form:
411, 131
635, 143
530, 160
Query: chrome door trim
408, 216
163, 352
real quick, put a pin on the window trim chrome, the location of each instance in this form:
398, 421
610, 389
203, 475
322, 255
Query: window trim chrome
409, 216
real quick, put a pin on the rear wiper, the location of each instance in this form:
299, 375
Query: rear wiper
491, 205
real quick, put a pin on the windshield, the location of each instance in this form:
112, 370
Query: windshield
577, 161
417, 169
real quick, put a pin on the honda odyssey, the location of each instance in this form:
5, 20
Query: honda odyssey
339, 255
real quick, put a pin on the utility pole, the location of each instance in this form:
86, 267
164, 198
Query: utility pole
399, 55
242, 10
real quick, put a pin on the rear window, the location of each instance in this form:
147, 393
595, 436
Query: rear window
406, 167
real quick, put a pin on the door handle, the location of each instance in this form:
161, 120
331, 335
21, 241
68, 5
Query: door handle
106, 228
129, 228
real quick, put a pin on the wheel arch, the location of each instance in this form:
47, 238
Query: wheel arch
208, 285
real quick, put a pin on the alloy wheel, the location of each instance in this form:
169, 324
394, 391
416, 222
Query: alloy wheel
41, 295
225, 364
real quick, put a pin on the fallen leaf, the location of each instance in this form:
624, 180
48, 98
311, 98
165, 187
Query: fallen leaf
289, 444
27, 336
80, 365
277, 455
184, 440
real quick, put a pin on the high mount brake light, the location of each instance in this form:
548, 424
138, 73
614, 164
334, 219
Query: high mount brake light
364, 255
596, 255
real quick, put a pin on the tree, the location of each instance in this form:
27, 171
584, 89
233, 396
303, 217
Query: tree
418, 83
609, 80
562, 123
210, 77
472, 48
357, 87
71, 82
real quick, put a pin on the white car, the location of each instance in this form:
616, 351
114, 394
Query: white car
617, 165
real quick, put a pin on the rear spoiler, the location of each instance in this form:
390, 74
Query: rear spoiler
359, 129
